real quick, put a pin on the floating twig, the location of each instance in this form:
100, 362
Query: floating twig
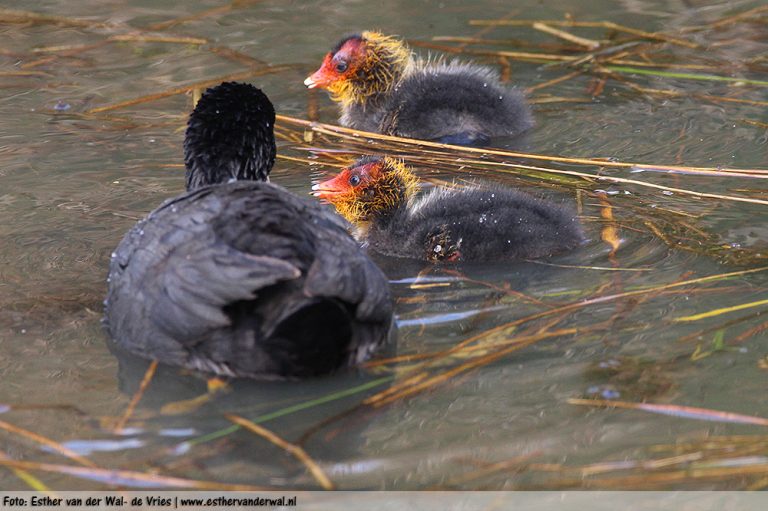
24, 73
19, 16
350, 133
756, 123
421, 382
749, 333
291, 409
590, 24
751, 13
718, 312
464, 41
215, 11
186, 88
609, 233
292, 449
129, 478
355, 134
155, 38
554, 81
590, 44
684, 76
596, 268
688, 412
51, 444
29, 479
237, 56
136, 397
708, 97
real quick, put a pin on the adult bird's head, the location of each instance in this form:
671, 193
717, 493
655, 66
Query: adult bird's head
230, 136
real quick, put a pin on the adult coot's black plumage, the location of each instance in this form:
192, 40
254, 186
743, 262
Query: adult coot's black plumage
382, 88
243, 278
479, 223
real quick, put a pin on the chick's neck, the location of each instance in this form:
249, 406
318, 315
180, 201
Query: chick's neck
387, 61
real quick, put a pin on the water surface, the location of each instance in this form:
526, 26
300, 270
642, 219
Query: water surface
72, 184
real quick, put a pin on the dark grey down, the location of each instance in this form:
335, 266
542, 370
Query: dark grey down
453, 102
483, 223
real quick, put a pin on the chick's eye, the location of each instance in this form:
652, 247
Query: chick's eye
341, 66
354, 180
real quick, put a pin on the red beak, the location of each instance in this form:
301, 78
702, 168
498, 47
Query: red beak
328, 189
321, 77
314, 80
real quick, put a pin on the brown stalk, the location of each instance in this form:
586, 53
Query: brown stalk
378, 400
518, 462
751, 13
506, 70
24, 73
136, 397
750, 333
609, 233
612, 54
726, 442
559, 310
605, 299
590, 44
411, 380
661, 65
33, 482
121, 477
186, 88
18, 16
237, 56
349, 133
755, 123
674, 460
590, 24
67, 50
464, 41
544, 100
38, 62
51, 444
666, 478
487, 30
292, 449
504, 288
63, 407
708, 97
515, 55
215, 11
655, 408
694, 336
302, 160
398, 359
554, 81
760, 484
596, 268
460, 347
149, 38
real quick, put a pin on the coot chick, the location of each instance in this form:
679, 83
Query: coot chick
478, 223
382, 88
239, 277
